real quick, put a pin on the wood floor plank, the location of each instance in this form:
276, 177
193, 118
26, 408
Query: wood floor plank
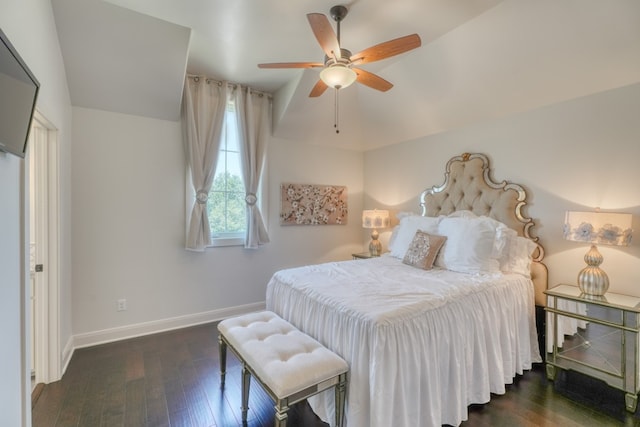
208, 372
181, 419
134, 366
196, 397
91, 413
156, 401
71, 409
135, 404
45, 411
173, 380
177, 403
114, 406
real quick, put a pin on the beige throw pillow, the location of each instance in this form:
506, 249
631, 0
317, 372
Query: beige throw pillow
423, 250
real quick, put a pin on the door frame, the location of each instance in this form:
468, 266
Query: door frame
46, 316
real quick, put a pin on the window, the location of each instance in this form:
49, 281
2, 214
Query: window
226, 204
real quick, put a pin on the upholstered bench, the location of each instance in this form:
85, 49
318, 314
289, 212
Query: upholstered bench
290, 365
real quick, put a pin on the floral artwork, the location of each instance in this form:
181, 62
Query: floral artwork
308, 204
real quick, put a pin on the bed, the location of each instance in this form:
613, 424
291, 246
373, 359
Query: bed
423, 344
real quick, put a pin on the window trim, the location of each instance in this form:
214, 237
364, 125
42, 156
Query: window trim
219, 242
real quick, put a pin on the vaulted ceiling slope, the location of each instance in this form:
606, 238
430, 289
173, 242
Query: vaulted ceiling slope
479, 60
122, 61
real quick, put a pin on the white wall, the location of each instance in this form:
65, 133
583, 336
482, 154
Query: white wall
11, 303
30, 26
128, 228
575, 155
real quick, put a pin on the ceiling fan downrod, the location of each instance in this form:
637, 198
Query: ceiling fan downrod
338, 13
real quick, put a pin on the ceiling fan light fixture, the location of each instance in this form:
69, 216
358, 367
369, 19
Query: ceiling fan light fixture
338, 76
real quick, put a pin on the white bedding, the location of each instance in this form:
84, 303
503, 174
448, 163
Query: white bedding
421, 345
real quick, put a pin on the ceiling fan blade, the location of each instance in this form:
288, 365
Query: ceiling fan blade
372, 80
318, 89
291, 65
323, 31
387, 49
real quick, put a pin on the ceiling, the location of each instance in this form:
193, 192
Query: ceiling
479, 60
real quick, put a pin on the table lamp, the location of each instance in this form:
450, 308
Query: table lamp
375, 219
596, 228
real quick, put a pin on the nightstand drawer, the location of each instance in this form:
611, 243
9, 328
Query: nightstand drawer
587, 310
622, 310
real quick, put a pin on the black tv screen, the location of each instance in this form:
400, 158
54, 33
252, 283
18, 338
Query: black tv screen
18, 93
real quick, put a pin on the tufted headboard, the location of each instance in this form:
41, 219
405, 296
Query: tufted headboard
468, 185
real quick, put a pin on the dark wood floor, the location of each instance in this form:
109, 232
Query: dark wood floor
172, 379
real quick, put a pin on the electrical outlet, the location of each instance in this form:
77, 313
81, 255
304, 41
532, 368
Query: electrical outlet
122, 304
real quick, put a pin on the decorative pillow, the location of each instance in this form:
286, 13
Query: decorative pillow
423, 250
406, 229
471, 245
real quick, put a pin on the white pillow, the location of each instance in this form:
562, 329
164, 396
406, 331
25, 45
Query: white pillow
472, 245
497, 226
462, 214
502, 233
402, 235
513, 253
517, 254
392, 238
394, 232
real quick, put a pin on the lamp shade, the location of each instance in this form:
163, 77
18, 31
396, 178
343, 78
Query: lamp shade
375, 218
338, 76
598, 227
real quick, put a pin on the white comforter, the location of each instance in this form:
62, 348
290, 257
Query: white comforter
421, 345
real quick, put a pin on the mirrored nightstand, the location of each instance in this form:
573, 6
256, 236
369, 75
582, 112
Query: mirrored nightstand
597, 336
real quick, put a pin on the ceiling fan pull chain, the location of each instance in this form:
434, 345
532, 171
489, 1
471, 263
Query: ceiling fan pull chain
337, 112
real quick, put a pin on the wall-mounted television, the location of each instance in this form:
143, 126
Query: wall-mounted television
18, 93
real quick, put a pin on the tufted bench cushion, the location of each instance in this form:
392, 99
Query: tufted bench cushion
288, 363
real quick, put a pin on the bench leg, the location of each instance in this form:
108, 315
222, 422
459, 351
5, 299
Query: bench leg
281, 413
222, 348
246, 383
340, 392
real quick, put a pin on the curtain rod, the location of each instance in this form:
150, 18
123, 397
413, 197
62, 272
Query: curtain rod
210, 80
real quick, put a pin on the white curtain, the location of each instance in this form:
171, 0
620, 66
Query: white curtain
203, 108
254, 120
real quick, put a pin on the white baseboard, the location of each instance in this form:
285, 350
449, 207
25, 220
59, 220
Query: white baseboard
67, 352
90, 339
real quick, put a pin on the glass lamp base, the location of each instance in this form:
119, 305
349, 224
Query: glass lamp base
375, 247
592, 280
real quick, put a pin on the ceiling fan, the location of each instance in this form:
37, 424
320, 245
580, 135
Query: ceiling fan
339, 71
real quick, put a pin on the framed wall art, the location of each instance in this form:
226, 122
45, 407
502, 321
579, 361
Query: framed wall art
310, 204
